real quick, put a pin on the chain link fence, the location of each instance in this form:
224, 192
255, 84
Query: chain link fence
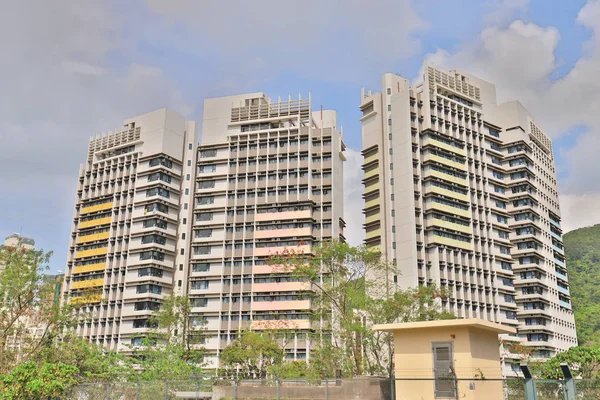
371, 388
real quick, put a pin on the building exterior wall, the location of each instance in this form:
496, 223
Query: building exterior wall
461, 192
127, 249
475, 356
269, 180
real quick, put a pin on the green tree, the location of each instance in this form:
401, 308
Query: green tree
174, 349
351, 291
584, 362
26, 300
32, 381
582, 250
252, 354
93, 362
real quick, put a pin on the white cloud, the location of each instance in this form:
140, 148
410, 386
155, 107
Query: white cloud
353, 201
521, 59
579, 211
332, 40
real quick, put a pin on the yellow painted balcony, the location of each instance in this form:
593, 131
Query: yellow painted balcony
95, 222
280, 287
373, 233
92, 298
445, 146
372, 187
448, 193
372, 218
452, 242
92, 252
450, 225
94, 237
274, 216
450, 163
371, 173
87, 283
372, 203
371, 158
450, 209
97, 207
89, 268
449, 178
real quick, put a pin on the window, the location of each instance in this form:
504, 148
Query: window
202, 250
159, 223
389, 91
189, 163
204, 233
146, 305
190, 146
443, 367
208, 168
152, 255
199, 284
199, 302
202, 267
208, 153
159, 175
161, 161
389, 107
150, 271
205, 216
158, 192
206, 184
157, 207
154, 239
206, 200
154, 289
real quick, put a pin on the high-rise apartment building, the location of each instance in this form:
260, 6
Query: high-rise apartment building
128, 245
461, 192
155, 215
269, 178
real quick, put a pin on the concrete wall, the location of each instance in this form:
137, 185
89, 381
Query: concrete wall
357, 389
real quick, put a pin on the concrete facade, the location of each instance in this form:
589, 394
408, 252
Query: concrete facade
128, 245
461, 192
269, 180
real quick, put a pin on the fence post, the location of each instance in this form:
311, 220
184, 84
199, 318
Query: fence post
137, 391
392, 388
530, 393
235, 390
108, 392
278, 388
166, 390
570, 393
326, 389
197, 388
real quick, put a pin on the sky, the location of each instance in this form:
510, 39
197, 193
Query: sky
71, 70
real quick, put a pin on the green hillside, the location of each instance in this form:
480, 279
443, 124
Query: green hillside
582, 248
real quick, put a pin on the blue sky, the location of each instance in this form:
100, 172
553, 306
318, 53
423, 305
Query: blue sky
78, 69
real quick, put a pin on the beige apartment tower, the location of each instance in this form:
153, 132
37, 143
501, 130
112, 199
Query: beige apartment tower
132, 216
269, 179
461, 192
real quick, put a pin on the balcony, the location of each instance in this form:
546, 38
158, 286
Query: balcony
372, 203
95, 222
281, 305
372, 218
97, 207
565, 304
452, 242
450, 225
559, 263
89, 268
373, 172
92, 298
561, 275
87, 283
558, 250
441, 145
280, 324
563, 290
448, 193
445, 161
94, 237
92, 252
449, 209
556, 236
446, 177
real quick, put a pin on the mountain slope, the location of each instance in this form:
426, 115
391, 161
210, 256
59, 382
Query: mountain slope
582, 250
